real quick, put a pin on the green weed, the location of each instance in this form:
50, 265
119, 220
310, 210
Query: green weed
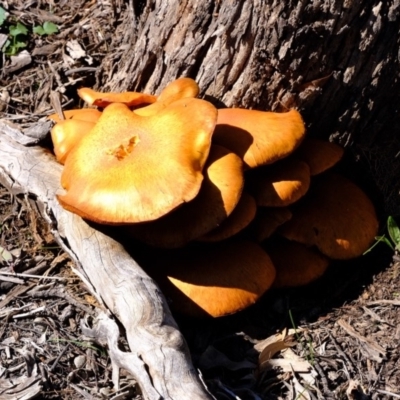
18, 33
393, 241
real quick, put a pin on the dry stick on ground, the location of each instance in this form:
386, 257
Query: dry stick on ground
159, 358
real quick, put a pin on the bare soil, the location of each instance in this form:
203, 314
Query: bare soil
341, 334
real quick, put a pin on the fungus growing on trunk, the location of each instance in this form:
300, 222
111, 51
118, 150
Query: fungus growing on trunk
132, 169
259, 137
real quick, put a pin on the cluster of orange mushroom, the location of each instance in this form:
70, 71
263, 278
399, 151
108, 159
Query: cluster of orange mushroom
227, 202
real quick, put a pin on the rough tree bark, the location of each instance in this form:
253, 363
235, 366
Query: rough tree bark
336, 61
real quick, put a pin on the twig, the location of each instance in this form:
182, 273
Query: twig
22, 275
29, 313
58, 358
60, 293
378, 302
327, 393
397, 396
342, 353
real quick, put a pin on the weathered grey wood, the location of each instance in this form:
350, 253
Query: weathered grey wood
336, 61
159, 357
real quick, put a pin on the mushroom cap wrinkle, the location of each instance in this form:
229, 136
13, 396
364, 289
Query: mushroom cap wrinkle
132, 169
336, 216
219, 194
213, 280
259, 137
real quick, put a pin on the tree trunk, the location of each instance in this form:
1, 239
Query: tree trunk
335, 61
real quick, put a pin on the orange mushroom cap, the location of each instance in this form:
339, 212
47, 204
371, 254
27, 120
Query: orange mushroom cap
240, 217
295, 264
66, 134
132, 169
82, 114
336, 216
212, 280
131, 99
320, 155
280, 184
267, 221
259, 137
219, 194
179, 89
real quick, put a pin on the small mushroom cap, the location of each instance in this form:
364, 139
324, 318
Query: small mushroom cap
259, 137
336, 216
241, 217
131, 99
295, 264
320, 155
83, 114
66, 134
179, 89
212, 280
267, 221
132, 169
280, 184
219, 194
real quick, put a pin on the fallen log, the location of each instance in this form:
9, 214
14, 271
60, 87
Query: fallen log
159, 358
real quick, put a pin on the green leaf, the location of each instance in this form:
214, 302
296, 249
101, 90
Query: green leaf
38, 30
48, 28
394, 231
3, 15
18, 29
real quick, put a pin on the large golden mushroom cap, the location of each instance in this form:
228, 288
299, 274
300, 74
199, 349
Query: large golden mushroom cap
132, 169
